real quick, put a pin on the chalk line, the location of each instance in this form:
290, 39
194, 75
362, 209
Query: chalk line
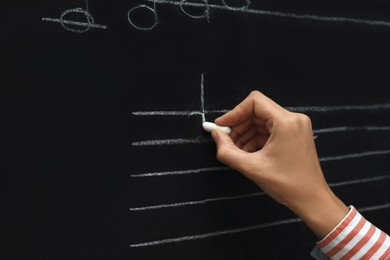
350, 128
359, 181
202, 108
217, 233
373, 208
292, 109
240, 230
198, 202
277, 14
198, 140
384, 106
92, 25
250, 195
216, 169
207, 140
176, 113
183, 172
353, 155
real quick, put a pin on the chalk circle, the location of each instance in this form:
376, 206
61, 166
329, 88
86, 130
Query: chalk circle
246, 6
88, 24
204, 15
153, 10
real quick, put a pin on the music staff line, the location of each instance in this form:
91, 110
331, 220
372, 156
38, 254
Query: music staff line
272, 13
240, 230
202, 139
249, 195
90, 22
62, 21
219, 169
302, 109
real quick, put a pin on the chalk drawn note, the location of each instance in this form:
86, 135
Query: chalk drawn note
201, 114
204, 6
73, 25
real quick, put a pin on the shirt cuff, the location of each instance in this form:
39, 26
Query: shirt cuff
355, 238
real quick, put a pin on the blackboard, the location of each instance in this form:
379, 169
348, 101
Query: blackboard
102, 151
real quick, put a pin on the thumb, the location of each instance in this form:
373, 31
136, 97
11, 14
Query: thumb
229, 154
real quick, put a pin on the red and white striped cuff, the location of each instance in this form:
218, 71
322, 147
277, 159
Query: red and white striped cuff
356, 238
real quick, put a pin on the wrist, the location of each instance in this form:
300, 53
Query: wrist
322, 213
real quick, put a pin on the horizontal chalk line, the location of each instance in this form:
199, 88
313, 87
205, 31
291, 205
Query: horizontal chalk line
198, 140
56, 20
359, 181
198, 202
293, 109
201, 170
249, 195
217, 233
176, 113
240, 230
216, 169
203, 140
351, 128
278, 14
353, 155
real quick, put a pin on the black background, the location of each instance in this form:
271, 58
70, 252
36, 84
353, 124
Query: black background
68, 125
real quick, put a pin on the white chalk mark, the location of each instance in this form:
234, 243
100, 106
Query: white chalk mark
240, 230
90, 23
359, 181
87, 5
217, 233
166, 113
246, 6
204, 15
350, 128
216, 169
293, 109
56, 20
148, 8
183, 172
371, 107
250, 195
353, 155
202, 107
281, 14
198, 202
373, 208
198, 140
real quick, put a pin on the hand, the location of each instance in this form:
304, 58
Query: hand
275, 148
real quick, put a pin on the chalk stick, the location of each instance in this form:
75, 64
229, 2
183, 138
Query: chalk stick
208, 126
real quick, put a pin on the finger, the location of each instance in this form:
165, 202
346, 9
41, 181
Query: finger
246, 137
255, 104
229, 154
238, 130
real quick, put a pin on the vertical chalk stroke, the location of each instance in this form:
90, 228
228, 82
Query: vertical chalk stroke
240, 230
247, 10
202, 106
84, 26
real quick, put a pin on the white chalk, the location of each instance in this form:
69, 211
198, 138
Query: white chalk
208, 126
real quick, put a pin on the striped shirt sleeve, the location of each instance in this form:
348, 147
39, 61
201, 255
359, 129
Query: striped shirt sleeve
356, 238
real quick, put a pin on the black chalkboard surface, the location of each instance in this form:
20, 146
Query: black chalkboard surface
102, 151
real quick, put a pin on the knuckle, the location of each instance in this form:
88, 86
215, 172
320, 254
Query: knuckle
297, 121
255, 93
